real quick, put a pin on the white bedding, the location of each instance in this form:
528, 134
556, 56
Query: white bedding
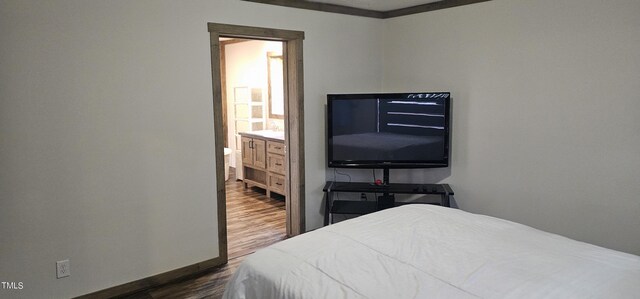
425, 251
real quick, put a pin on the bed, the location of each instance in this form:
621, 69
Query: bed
426, 251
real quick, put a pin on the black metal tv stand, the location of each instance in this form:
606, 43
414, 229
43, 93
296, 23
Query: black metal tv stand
386, 200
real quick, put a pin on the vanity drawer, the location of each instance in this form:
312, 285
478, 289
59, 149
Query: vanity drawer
276, 183
275, 147
275, 163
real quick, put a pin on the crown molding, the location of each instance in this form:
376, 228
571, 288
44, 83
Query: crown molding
347, 10
428, 7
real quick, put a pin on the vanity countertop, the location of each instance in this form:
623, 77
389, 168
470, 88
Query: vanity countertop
266, 134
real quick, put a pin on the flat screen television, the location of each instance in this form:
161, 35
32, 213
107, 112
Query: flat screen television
388, 130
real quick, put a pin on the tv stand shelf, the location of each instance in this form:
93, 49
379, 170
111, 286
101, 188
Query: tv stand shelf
353, 207
364, 207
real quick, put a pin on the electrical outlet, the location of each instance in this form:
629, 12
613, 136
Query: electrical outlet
63, 269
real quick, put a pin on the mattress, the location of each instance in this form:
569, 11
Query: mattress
425, 251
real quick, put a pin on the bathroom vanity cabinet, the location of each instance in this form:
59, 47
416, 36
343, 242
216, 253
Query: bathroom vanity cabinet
263, 161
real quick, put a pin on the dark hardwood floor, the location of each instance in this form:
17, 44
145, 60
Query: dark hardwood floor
254, 221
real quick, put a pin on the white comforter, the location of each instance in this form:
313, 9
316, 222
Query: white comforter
425, 251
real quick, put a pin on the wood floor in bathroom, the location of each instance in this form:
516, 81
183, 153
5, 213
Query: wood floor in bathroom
254, 221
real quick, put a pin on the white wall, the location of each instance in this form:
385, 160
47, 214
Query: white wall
106, 131
546, 114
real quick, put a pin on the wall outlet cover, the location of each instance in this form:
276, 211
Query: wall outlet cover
63, 269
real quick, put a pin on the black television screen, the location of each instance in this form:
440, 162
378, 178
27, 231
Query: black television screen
399, 130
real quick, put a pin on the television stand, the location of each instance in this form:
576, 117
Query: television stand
387, 200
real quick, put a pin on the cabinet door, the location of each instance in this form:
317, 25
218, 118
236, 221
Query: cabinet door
247, 152
259, 153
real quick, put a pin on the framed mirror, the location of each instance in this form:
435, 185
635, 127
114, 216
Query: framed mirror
275, 82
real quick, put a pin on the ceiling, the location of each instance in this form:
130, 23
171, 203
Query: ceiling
380, 9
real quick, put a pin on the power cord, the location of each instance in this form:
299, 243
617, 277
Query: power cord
335, 171
374, 179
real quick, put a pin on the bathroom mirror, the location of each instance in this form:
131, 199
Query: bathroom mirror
275, 70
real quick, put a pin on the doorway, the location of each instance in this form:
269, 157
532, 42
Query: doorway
293, 151
253, 91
